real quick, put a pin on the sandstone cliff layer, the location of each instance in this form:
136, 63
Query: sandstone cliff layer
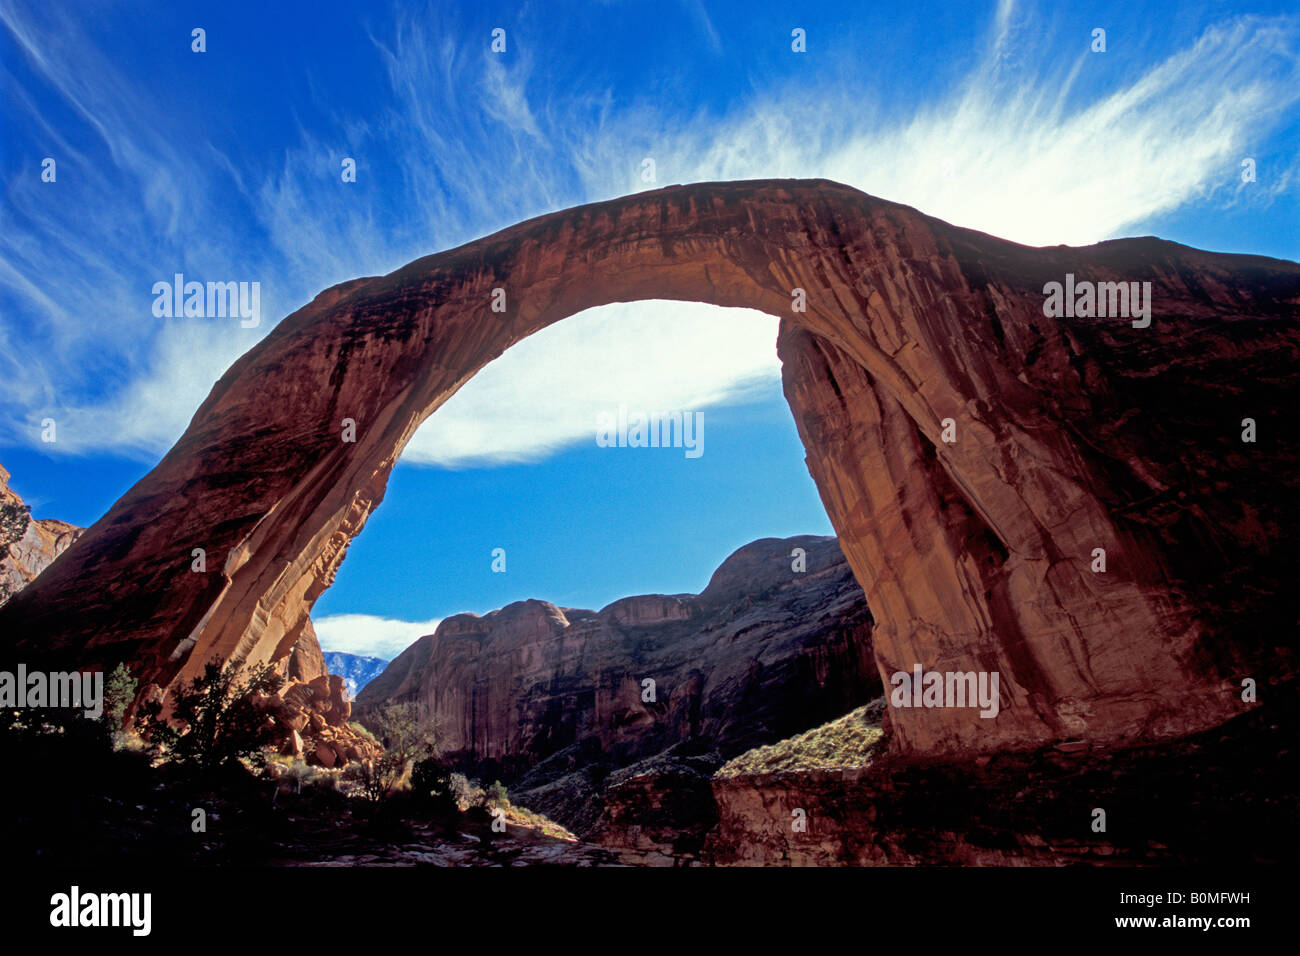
1220, 797
558, 698
1070, 437
27, 546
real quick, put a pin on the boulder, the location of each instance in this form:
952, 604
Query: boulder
325, 755
292, 746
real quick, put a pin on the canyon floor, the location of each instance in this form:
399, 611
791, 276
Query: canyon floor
1223, 797
706, 778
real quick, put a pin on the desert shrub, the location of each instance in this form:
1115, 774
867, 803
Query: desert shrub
434, 787
496, 795
373, 777
14, 519
119, 693
125, 740
431, 775
299, 773
218, 723
464, 792
406, 737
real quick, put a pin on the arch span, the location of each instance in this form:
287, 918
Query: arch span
975, 554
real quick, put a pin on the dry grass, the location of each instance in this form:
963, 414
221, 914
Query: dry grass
850, 741
471, 793
523, 817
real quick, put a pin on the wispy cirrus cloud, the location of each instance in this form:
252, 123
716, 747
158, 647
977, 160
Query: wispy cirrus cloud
130, 206
544, 394
462, 143
997, 154
1021, 155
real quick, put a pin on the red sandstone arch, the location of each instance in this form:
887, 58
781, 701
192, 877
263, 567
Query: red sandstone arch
974, 555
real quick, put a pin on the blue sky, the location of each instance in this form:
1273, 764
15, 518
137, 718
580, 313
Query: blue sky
225, 165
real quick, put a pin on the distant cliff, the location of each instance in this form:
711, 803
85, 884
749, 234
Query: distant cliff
765, 651
27, 546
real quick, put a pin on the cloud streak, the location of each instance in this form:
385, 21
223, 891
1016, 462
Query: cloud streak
370, 636
544, 394
470, 143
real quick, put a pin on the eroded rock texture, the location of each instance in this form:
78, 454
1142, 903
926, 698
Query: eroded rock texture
761, 653
27, 546
553, 701
1208, 798
1072, 435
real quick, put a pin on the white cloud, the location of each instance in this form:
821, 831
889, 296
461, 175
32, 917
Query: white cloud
131, 206
996, 155
545, 392
370, 636
473, 144
1007, 152
153, 409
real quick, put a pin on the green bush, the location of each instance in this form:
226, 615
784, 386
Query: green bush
119, 693
363, 731
219, 725
434, 786
496, 795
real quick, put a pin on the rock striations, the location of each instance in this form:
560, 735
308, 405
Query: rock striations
975, 455
763, 652
27, 546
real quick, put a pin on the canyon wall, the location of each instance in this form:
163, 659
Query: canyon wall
1069, 437
556, 699
27, 546
1206, 799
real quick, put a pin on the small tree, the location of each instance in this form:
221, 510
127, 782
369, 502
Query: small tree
406, 737
119, 692
219, 724
496, 795
404, 733
434, 786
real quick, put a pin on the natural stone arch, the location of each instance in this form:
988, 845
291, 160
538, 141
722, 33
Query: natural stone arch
974, 555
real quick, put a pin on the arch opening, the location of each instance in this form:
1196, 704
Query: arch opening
538, 454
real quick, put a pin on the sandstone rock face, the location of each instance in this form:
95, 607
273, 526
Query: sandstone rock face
660, 811
27, 547
763, 652
306, 660
1210, 798
1087, 434
1071, 435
